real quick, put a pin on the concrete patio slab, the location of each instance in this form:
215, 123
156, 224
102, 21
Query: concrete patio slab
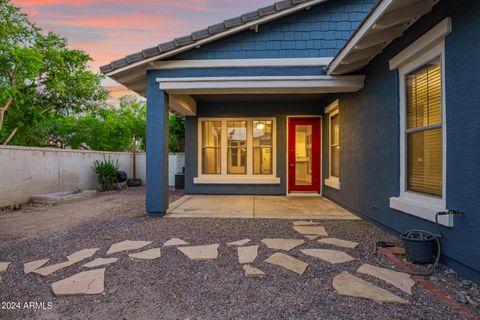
306, 223
401, 280
259, 207
175, 242
339, 242
56, 198
100, 262
206, 252
86, 282
332, 256
239, 242
252, 271
150, 254
347, 284
215, 207
247, 254
311, 230
4, 266
287, 262
317, 208
127, 245
282, 244
33, 265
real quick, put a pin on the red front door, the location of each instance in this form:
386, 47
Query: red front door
304, 154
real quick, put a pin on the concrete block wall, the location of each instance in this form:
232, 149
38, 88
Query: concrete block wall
25, 171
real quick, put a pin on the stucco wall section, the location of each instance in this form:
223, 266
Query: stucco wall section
28, 171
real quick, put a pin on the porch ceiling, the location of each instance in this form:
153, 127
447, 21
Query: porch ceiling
385, 23
180, 90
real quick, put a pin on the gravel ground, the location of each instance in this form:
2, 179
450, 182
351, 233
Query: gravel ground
34, 220
173, 287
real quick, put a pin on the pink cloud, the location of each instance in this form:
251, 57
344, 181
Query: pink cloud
110, 30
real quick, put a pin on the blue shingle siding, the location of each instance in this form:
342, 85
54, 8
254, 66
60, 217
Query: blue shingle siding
324, 28
369, 137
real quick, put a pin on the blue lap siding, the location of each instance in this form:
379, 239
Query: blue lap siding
369, 137
318, 32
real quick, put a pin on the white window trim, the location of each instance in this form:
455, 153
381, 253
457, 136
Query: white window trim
414, 203
331, 181
249, 177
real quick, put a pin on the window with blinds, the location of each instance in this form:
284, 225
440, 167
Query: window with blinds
424, 141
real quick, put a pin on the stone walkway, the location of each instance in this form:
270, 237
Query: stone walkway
355, 285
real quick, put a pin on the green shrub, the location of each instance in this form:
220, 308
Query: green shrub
106, 171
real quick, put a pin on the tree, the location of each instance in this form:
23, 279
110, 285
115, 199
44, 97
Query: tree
176, 134
104, 129
41, 79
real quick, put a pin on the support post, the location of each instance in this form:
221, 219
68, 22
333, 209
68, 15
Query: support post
157, 149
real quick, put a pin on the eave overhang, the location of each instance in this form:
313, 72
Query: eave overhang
386, 22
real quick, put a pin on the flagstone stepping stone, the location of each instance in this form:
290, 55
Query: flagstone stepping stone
72, 259
312, 230
252, 271
282, 244
332, 256
174, 242
306, 223
287, 262
82, 254
247, 254
347, 284
339, 242
239, 242
86, 282
150, 254
99, 262
206, 252
48, 270
4, 266
401, 280
127, 245
311, 237
33, 265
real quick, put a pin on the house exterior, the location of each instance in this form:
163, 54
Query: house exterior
375, 105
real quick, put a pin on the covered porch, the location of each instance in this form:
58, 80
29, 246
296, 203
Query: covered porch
258, 207
229, 103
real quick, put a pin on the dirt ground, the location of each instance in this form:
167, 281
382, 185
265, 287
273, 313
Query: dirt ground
173, 287
36, 220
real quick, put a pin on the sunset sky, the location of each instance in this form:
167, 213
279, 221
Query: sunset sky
109, 30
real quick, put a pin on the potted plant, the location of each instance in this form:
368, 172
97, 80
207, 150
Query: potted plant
106, 171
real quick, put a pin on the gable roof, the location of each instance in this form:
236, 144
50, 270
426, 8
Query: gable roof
230, 26
388, 20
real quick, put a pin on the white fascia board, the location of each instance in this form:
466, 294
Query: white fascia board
243, 63
425, 42
366, 26
264, 85
220, 35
